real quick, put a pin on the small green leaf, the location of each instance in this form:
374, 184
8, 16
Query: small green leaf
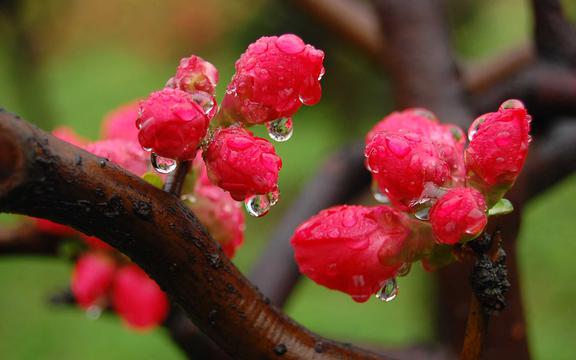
502, 207
153, 179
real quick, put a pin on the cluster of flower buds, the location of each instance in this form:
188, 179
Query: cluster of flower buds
437, 193
273, 78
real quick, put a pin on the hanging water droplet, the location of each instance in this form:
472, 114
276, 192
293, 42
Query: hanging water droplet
274, 197
280, 129
257, 205
512, 104
189, 198
378, 194
147, 149
389, 291
423, 214
93, 312
163, 165
404, 269
206, 102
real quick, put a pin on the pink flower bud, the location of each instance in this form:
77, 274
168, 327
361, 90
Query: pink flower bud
338, 248
95, 243
125, 153
416, 120
119, 123
92, 278
67, 134
221, 215
138, 299
459, 215
274, 77
407, 166
195, 74
498, 149
171, 124
241, 163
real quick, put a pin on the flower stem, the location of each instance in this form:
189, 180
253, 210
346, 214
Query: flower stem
175, 180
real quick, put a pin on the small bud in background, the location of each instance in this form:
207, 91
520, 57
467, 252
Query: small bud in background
92, 278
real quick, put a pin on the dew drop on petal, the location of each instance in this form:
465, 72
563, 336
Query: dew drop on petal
423, 214
163, 165
206, 102
290, 44
425, 113
257, 205
404, 269
322, 73
378, 194
474, 127
398, 146
389, 291
93, 312
512, 104
274, 197
280, 129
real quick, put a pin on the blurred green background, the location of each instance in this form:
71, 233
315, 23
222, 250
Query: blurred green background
68, 62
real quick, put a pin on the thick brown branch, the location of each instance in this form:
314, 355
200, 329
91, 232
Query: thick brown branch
45, 177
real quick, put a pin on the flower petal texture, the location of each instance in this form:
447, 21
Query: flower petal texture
459, 215
273, 78
171, 124
407, 167
241, 163
92, 279
498, 146
138, 299
338, 248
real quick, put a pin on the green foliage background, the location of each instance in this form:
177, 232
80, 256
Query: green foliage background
83, 81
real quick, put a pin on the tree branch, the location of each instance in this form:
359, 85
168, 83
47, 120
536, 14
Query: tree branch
554, 35
44, 177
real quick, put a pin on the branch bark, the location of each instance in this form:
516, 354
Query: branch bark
44, 177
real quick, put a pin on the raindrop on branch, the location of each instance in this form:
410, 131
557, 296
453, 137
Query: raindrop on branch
163, 165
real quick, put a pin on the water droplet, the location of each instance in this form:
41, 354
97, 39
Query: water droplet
512, 104
425, 113
257, 205
404, 269
322, 73
162, 165
389, 291
206, 102
456, 133
94, 312
280, 129
274, 197
423, 214
378, 194
474, 127
290, 44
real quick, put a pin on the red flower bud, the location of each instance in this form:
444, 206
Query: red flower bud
67, 134
274, 77
138, 299
52, 228
119, 123
338, 247
95, 243
171, 124
241, 163
498, 149
92, 279
195, 74
407, 167
459, 215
